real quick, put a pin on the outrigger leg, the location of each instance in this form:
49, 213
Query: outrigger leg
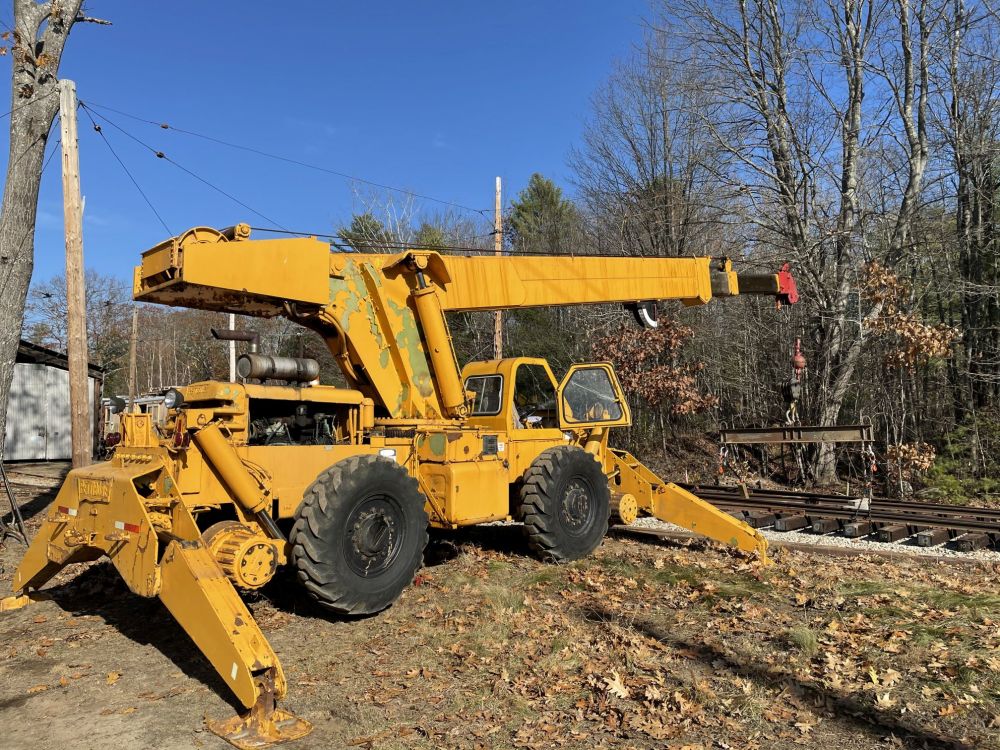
668, 502
99, 512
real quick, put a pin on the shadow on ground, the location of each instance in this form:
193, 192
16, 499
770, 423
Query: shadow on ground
848, 709
100, 591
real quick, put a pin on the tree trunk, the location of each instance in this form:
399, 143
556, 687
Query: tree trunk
35, 55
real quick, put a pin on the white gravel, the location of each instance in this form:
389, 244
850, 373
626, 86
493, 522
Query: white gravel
865, 544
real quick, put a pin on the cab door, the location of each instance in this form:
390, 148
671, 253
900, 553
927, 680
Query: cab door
590, 396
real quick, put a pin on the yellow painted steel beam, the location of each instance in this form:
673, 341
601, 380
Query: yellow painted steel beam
203, 601
678, 506
382, 316
491, 283
203, 268
98, 512
668, 502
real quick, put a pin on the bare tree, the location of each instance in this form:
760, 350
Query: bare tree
646, 168
39, 37
972, 135
792, 81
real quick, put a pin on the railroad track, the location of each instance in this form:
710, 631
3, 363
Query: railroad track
888, 520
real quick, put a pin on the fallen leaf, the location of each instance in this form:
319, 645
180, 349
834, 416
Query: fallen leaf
113, 677
38, 689
890, 677
616, 687
884, 700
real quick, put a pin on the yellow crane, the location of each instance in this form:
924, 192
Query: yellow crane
343, 483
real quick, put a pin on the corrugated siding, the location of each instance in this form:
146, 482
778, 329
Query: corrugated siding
26, 414
38, 419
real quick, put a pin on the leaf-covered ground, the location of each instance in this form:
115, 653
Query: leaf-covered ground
641, 645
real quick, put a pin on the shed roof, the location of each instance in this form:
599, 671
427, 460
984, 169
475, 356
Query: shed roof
39, 355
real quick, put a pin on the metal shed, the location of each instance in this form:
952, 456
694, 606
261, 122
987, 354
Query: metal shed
38, 417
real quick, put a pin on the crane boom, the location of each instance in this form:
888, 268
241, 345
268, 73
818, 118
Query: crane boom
382, 315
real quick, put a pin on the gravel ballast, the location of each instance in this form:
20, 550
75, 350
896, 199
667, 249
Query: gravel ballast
861, 545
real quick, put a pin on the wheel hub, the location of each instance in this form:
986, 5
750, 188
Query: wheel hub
372, 537
576, 506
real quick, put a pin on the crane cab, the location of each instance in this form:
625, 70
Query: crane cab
521, 396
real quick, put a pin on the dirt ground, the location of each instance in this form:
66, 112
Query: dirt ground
665, 645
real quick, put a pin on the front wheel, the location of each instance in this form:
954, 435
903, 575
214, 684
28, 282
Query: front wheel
359, 535
565, 502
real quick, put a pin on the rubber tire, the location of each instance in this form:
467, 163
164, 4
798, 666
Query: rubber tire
545, 485
318, 535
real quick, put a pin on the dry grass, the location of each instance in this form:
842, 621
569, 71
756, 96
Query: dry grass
640, 646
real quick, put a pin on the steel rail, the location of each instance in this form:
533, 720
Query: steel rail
817, 499
881, 511
876, 502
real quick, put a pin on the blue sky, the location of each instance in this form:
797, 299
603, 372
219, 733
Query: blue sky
435, 97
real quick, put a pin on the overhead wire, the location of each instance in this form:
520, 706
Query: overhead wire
377, 244
161, 155
289, 160
52, 153
28, 104
142, 192
340, 239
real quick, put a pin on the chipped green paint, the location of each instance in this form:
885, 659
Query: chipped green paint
410, 343
437, 443
350, 299
404, 396
373, 313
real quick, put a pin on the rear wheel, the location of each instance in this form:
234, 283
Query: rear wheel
565, 503
359, 535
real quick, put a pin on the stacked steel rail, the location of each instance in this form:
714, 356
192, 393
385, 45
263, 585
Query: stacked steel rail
890, 520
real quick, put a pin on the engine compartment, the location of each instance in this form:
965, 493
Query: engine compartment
282, 422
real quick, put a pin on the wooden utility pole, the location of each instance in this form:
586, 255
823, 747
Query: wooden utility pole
76, 303
498, 248
132, 346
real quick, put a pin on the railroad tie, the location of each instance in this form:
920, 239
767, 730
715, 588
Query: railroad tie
858, 529
791, 523
825, 525
932, 537
972, 540
893, 533
758, 519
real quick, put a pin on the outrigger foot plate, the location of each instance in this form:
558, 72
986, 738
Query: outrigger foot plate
263, 725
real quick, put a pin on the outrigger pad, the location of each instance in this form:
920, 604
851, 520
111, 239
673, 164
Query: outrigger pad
263, 725
253, 731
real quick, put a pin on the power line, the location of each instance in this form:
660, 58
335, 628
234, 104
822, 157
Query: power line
28, 104
453, 249
127, 172
289, 160
161, 155
52, 153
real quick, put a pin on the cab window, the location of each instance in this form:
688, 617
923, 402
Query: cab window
534, 398
589, 396
488, 398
